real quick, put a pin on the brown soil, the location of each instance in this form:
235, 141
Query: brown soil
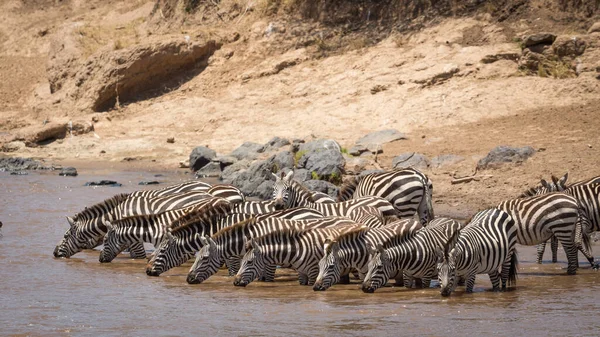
313, 78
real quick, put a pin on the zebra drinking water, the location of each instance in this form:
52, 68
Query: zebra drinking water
413, 254
484, 246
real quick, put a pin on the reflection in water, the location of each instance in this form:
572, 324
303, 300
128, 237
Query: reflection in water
46, 296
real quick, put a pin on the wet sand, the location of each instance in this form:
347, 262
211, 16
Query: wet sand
42, 295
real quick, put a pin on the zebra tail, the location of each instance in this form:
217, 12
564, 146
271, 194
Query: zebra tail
514, 269
425, 210
582, 238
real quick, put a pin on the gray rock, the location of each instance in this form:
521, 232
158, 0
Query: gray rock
320, 145
150, 182
251, 179
445, 159
367, 172
302, 175
200, 157
248, 150
276, 143
356, 150
374, 140
412, 159
225, 160
18, 163
566, 46
111, 183
282, 160
210, 170
356, 164
232, 171
539, 38
322, 186
19, 173
296, 144
505, 154
326, 163
68, 172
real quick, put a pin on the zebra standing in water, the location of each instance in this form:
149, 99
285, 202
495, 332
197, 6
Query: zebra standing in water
87, 228
539, 217
351, 250
409, 190
413, 254
230, 242
587, 193
299, 249
484, 246
150, 228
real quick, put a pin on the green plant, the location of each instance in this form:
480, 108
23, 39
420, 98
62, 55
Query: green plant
297, 157
542, 71
344, 150
275, 168
314, 176
335, 178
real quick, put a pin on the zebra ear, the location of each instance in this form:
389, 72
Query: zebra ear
288, 176
276, 176
202, 240
70, 221
255, 246
210, 241
451, 243
169, 235
440, 255
372, 250
562, 182
545, 184
328, 246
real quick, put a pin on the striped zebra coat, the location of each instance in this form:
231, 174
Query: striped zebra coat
230, 243
351, 250
188, 186
484, 246
586, 192
413, 254
87, 228
298, 249
409, 190
149, 228
539, 217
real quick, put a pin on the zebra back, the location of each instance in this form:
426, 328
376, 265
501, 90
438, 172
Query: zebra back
142, 205
227, 192
255, 207
192, 185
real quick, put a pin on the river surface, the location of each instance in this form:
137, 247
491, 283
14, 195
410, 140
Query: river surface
44, 296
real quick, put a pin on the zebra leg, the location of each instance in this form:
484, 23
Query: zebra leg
470, 282
540, 251
233, 265
572, 263
344, 279
407, 280
425, 282
495, 279
461, 280
137, 251
399, 279
554, 248
303, 279
356, 274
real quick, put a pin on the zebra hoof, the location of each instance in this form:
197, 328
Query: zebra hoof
596, 266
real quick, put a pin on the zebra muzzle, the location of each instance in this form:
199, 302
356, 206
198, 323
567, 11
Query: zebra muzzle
238, 282
191, 279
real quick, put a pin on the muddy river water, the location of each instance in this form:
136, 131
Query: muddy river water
41, 295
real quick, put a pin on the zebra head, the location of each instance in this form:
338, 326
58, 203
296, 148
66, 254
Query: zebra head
380, 269
282, 190
112, 247
159, 260
329, 267
446, 265
74, 240
557, 185
252, 265
207, 262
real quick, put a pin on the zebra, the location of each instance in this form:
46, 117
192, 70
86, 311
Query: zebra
149, 228
192, 185
351, 250
296, 248
413, 254
87, 228
230, 241
290, 193
486, 244
227, 192
539, 217
267, 206
409, 190
587, 193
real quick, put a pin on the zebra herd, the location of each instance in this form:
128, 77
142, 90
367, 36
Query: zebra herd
381, 227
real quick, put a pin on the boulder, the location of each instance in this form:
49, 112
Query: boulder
210, 170
12, 146
68, 172
565, 46
233, 171
18, 164
531, 61
326, 164
282, 160
256, 181
412, 159
276, 143
539, 38
445, 159
322, 186
375, 139
49, 132
225, 161
200, 157
356, 150
505, 154
318, 145
302, 175
248, 150
111, 183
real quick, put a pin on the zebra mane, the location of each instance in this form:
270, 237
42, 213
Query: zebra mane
204, 214
400, 234
303, 190
238, 225
348, 188
92, 211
